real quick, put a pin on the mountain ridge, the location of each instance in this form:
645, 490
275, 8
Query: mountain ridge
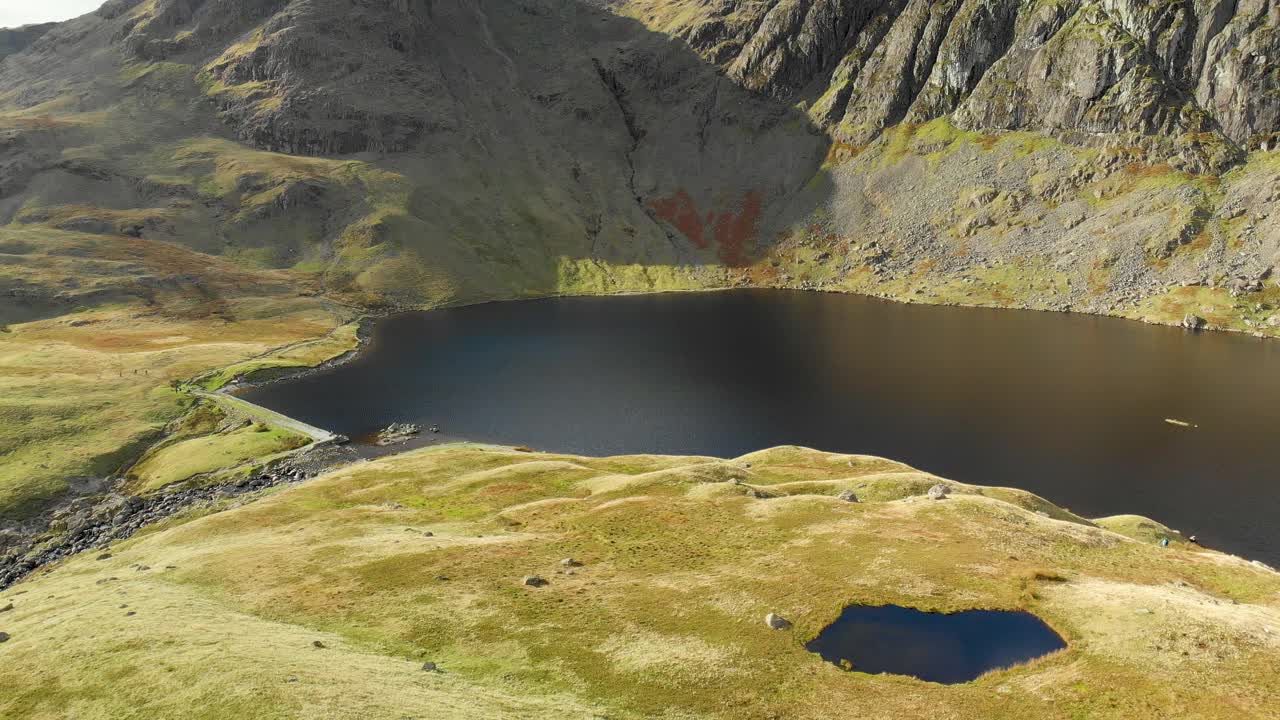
678, 138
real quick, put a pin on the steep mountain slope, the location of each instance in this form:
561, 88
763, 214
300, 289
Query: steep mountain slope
1104, 156
487, 148
1168, 70
501, 149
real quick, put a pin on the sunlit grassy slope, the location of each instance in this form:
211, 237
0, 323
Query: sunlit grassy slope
188, 458
87, 386
420, 557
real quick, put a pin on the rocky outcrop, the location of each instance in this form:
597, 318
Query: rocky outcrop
95, 521
1193, 68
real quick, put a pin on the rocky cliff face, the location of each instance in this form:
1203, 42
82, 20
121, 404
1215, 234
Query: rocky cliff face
417, 151
1168, 69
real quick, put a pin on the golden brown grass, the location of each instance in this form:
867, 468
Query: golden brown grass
664, 618
84, 393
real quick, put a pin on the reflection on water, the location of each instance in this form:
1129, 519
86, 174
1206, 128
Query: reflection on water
939, 648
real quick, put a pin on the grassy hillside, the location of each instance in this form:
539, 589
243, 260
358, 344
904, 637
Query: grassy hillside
85, 392
420, 557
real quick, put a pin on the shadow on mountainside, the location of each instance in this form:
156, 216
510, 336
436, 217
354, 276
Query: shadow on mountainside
581, 141
483, 149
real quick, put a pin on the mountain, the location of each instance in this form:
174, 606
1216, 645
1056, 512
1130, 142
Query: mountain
1102, 156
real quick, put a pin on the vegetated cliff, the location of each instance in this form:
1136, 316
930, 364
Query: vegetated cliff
1103, 156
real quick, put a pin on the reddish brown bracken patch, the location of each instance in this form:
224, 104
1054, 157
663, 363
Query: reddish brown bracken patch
680, 211
731, 230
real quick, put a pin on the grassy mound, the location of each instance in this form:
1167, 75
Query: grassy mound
420, 557
188, 458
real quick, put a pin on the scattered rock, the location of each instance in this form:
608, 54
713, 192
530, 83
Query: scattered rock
89, 524
847, 496
397, 433
4, 637
777, 622
6, 608
939, 492
1193, 322
291, 679
430, 667
130, 614
534, 581
570, 562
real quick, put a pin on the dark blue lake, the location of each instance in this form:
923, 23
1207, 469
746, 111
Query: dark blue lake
1072, 407
947, 649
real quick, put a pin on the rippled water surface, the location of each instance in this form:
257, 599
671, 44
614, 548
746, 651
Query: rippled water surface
1071, 407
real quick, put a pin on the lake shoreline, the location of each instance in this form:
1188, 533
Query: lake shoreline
914, 326
267, 376
367, 321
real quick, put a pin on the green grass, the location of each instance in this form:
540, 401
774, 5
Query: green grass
1215, 305
308, 353
223, 451
85, 393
